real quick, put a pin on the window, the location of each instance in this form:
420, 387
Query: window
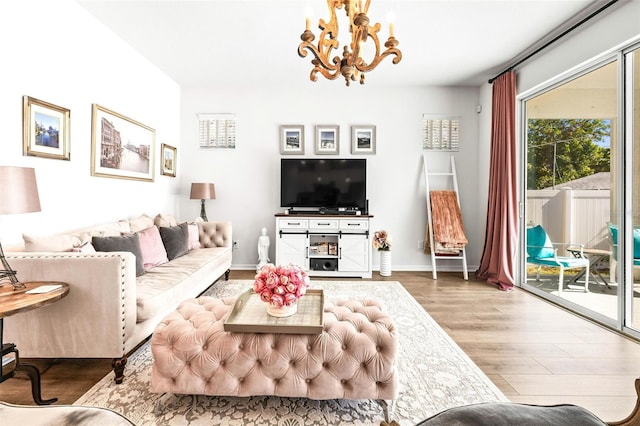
217, 130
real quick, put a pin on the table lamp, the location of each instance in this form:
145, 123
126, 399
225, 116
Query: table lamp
18, 194
203, 191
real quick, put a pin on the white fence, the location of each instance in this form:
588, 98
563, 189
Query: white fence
571, 216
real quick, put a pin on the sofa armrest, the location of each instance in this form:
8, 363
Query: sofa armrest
215, 234
92, 321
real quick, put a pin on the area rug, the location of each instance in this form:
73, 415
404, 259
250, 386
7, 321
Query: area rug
435, 374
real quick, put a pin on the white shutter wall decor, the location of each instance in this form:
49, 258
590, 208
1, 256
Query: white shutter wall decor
440, 133
217, 130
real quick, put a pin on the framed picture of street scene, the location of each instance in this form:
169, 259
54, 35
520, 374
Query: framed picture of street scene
327, 139
45, 129
121, 147
169, 160
363, 139
292, 139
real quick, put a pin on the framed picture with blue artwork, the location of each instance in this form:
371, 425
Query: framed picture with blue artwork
45, 129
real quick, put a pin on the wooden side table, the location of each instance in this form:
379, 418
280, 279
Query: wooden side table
15, 301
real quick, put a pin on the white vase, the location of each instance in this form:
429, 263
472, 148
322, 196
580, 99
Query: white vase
385, 263
283, 311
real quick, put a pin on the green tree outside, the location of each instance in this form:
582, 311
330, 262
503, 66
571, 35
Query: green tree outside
561, 150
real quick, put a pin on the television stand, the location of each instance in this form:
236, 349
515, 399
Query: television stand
325, 245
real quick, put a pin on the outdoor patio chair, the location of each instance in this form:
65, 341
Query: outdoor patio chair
613, 241
542, 252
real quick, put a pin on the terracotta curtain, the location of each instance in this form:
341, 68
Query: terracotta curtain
498, 256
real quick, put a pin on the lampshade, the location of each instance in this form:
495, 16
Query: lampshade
203, 191
18, 190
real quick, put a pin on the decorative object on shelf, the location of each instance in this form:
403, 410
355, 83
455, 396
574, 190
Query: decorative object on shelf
353, 64
46, 129
18, 194
121, 147
202, 192
281, 287
292, 139
327, 139
263, 249
363, 139
169, 160
382, 243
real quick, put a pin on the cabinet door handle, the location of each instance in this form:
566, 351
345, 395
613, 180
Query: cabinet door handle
293, 223
324, 224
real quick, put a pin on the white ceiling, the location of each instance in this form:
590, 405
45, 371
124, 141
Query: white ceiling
245, 42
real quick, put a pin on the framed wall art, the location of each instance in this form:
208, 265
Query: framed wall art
45, 129
121, 147
363, 139
168, 158
327, 139
292, 139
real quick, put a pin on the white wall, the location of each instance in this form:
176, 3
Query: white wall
247, 178
600, 35
55, 51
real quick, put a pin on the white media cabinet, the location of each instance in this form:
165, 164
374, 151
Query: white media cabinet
325, 245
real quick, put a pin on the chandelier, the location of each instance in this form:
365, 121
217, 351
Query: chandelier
352, 66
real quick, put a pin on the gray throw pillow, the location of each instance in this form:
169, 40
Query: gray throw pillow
129, 242
509, 414
175, 240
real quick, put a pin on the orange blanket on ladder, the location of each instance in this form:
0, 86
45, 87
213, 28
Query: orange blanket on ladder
448, 231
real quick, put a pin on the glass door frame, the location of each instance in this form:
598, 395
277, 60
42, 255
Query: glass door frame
624, 171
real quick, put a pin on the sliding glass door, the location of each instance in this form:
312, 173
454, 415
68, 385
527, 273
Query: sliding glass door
631, 262
581, 152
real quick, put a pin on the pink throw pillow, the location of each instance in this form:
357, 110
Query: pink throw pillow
152, 248
194, 237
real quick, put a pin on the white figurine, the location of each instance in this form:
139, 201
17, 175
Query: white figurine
263, 249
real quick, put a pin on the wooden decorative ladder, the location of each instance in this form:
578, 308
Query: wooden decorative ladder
435, 257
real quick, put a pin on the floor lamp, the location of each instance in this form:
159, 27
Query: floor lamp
18, 194
203, 191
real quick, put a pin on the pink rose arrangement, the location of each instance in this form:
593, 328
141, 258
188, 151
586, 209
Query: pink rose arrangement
281, 285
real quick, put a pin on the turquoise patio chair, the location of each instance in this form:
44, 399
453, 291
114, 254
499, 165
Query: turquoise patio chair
613, 240
542, 252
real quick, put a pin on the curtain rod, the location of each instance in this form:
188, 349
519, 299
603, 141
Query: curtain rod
557, 37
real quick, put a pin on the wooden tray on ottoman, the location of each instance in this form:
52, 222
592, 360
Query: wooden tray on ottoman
249, 315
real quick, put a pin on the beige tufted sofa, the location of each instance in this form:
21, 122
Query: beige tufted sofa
109, 310
353, 358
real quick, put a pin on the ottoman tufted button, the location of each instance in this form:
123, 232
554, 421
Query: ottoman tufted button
308, 380
343, 381
308, 347
222, 362
325, 364
363, 365
344, 347
204, 347
241, 379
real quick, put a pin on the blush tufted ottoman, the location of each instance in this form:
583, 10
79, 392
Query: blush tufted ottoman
353, 357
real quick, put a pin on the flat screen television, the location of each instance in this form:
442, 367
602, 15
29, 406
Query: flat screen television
309, 183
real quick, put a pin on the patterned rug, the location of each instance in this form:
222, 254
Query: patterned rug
435, 374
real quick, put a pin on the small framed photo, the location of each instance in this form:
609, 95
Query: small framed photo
327, 139
169, 160
45, 129
121, 147
363, 139
292, 139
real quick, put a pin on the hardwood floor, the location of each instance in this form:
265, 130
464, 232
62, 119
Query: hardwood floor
533, 351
